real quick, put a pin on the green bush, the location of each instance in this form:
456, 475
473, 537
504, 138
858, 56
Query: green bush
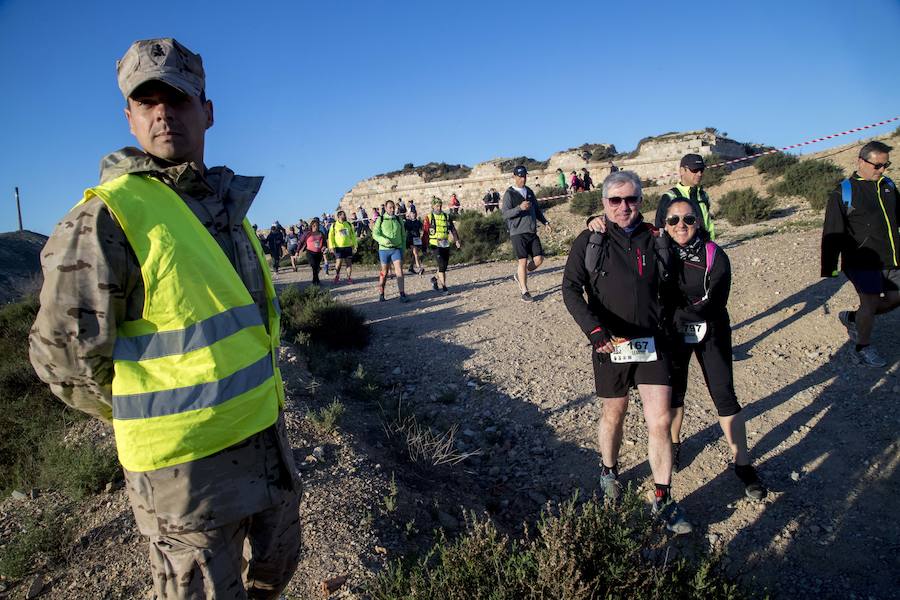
713, 177
775, 164
810, 179
481, 235
591, 551
744, 206
586, 203
650, 203
34, 422
547, 191
313, 315
45, 536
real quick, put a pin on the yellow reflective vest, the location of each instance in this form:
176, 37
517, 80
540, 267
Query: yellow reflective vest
197, 372
438, 229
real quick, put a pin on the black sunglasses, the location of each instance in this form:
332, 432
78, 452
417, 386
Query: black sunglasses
688, 220
877, 166
700, 170
617, 200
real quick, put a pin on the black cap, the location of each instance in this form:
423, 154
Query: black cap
693, 161
520, 171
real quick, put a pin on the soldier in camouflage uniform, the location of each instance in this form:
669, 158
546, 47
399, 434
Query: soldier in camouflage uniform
223, 526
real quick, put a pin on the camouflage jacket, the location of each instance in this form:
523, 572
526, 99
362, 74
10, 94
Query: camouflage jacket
92, 282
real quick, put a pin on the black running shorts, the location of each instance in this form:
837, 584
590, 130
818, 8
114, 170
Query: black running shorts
343, 252
613, 380
442, 256
526, 245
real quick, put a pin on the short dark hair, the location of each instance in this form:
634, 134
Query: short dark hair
871, 147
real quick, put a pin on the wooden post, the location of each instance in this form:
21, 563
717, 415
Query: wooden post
19, 208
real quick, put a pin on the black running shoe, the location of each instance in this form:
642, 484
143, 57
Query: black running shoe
381, 297
526, 297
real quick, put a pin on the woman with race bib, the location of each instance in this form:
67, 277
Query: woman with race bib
703, 274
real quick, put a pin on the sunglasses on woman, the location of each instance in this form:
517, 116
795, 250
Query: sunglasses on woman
688, 220
617, 200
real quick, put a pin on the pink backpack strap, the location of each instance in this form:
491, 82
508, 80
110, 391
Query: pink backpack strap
710, 255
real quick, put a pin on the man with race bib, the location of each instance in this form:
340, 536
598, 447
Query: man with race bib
621, 274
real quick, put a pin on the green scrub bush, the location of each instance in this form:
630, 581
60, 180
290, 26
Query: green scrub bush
313, 315
574, 553
775, 164
809, 179
745, 206
586, 203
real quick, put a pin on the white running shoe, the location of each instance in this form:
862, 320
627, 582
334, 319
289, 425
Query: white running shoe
869, 356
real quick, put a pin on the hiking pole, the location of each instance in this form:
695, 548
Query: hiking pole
19, 208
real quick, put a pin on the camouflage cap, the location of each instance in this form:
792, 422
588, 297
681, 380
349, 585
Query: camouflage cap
162, 59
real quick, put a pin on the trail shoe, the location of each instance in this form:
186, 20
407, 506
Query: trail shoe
422, 271
403, 298
844, 318
867, 355
381, 297
526, 297
676, 457
671, 514
337, 279
445, 291
753, 487
609, 483
434, 284
411, 270
349, 281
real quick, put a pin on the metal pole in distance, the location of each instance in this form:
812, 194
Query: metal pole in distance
19, 208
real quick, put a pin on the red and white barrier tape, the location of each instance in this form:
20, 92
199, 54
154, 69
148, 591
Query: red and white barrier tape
806, 143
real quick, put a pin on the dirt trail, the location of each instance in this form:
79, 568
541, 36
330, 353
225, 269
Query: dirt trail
822, 430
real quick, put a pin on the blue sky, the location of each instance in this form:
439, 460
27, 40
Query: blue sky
316, 96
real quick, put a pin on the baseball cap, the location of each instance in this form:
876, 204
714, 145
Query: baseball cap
693, 161
520, 171
161, 59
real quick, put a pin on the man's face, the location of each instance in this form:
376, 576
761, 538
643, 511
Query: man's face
520, 180
866, 169
389, 208
168, 124
691, 177
341, 217
618, 209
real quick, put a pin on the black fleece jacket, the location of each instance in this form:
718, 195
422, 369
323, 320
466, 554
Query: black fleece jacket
691, 277
625, 295
866, 236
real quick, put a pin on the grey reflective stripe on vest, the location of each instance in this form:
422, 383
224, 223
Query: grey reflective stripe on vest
204, 395
199, 335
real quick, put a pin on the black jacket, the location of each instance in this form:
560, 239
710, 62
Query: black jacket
691, 280
625, 294
865, 236
520, 221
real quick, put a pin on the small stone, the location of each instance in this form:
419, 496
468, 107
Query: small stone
447, 521
396, 371
37, 585
319, 453
468, 433
19, 496
713, 538
472, 384
795, 476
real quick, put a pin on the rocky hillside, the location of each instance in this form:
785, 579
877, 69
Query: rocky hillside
654, 158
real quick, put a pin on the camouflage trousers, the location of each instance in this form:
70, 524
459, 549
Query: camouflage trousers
252, 558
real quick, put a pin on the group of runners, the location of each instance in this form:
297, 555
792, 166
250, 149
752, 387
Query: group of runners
650, 296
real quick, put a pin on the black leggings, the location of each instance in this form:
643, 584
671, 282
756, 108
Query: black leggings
714, 356
315, 260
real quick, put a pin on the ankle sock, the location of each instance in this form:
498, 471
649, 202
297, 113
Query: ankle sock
746, 473
663, 493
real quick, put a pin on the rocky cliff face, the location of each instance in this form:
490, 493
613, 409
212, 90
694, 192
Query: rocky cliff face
655, 158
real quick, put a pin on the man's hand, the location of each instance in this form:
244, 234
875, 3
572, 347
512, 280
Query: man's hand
598, 224
524, 205
601, 341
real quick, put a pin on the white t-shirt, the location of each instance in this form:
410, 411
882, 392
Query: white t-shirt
522, 191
